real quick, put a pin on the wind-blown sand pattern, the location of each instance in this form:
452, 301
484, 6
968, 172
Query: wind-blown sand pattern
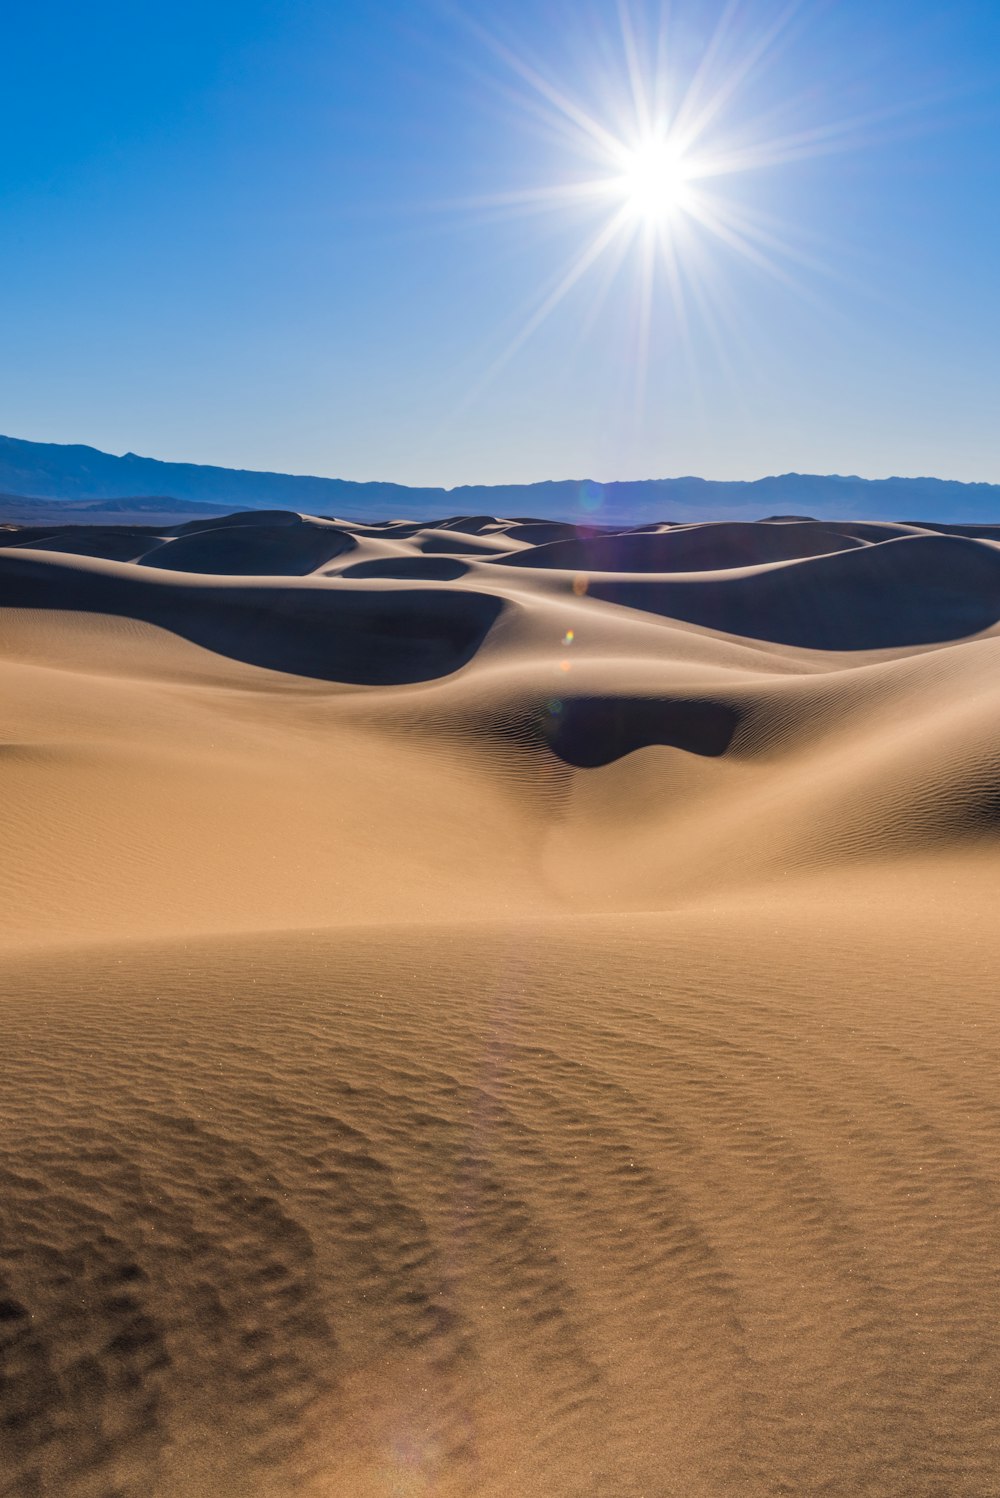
493, 1009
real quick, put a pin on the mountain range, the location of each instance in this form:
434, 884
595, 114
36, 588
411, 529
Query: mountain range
33, 475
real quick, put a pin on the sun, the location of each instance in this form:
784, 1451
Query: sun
656, 185
654, 182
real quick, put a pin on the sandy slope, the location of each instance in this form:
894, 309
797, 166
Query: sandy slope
491, 1009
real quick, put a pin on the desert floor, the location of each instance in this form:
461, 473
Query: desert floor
492, 1009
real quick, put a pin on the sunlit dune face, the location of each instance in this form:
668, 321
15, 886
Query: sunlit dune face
653, 183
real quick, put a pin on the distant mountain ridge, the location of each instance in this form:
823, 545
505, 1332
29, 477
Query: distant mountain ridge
152, 509
76, 473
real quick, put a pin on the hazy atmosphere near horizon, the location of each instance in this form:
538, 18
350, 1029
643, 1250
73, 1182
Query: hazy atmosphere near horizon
400, 241
500, 750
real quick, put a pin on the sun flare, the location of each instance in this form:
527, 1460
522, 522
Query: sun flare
654, 182
658, 145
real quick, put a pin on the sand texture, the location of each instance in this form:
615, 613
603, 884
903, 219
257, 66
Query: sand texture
499, 1008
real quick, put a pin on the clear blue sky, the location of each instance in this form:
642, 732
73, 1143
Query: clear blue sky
292, 236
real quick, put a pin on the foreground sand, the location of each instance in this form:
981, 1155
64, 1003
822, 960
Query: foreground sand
543, 1041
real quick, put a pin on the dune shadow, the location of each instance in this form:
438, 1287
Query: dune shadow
588, 732
698, 548
112, 543
244, 550
364, 636
915, 590
409, 569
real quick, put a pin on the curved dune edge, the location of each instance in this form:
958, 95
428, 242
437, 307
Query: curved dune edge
481, 1029
339, 634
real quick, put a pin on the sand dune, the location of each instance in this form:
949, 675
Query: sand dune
690, 548
266, 550
494, 1008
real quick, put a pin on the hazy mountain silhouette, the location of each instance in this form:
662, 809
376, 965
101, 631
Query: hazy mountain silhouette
53, 471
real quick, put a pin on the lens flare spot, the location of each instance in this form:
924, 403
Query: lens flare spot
565, 666
580, 585
568, 638
591, 497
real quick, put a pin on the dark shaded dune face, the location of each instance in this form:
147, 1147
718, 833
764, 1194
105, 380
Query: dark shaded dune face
409, 569
976, 532
113, 545
438, 542
471, 525
541, 532
255, 551
917, 590
239, 518
590, 731
878, 530
391, 530
703, 548
361, 637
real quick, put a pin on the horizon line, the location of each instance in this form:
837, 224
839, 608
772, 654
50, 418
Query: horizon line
511, 484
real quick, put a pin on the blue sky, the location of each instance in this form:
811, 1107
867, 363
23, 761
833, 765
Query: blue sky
320, 237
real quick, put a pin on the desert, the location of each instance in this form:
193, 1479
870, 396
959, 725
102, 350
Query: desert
500, 749
499, 1006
